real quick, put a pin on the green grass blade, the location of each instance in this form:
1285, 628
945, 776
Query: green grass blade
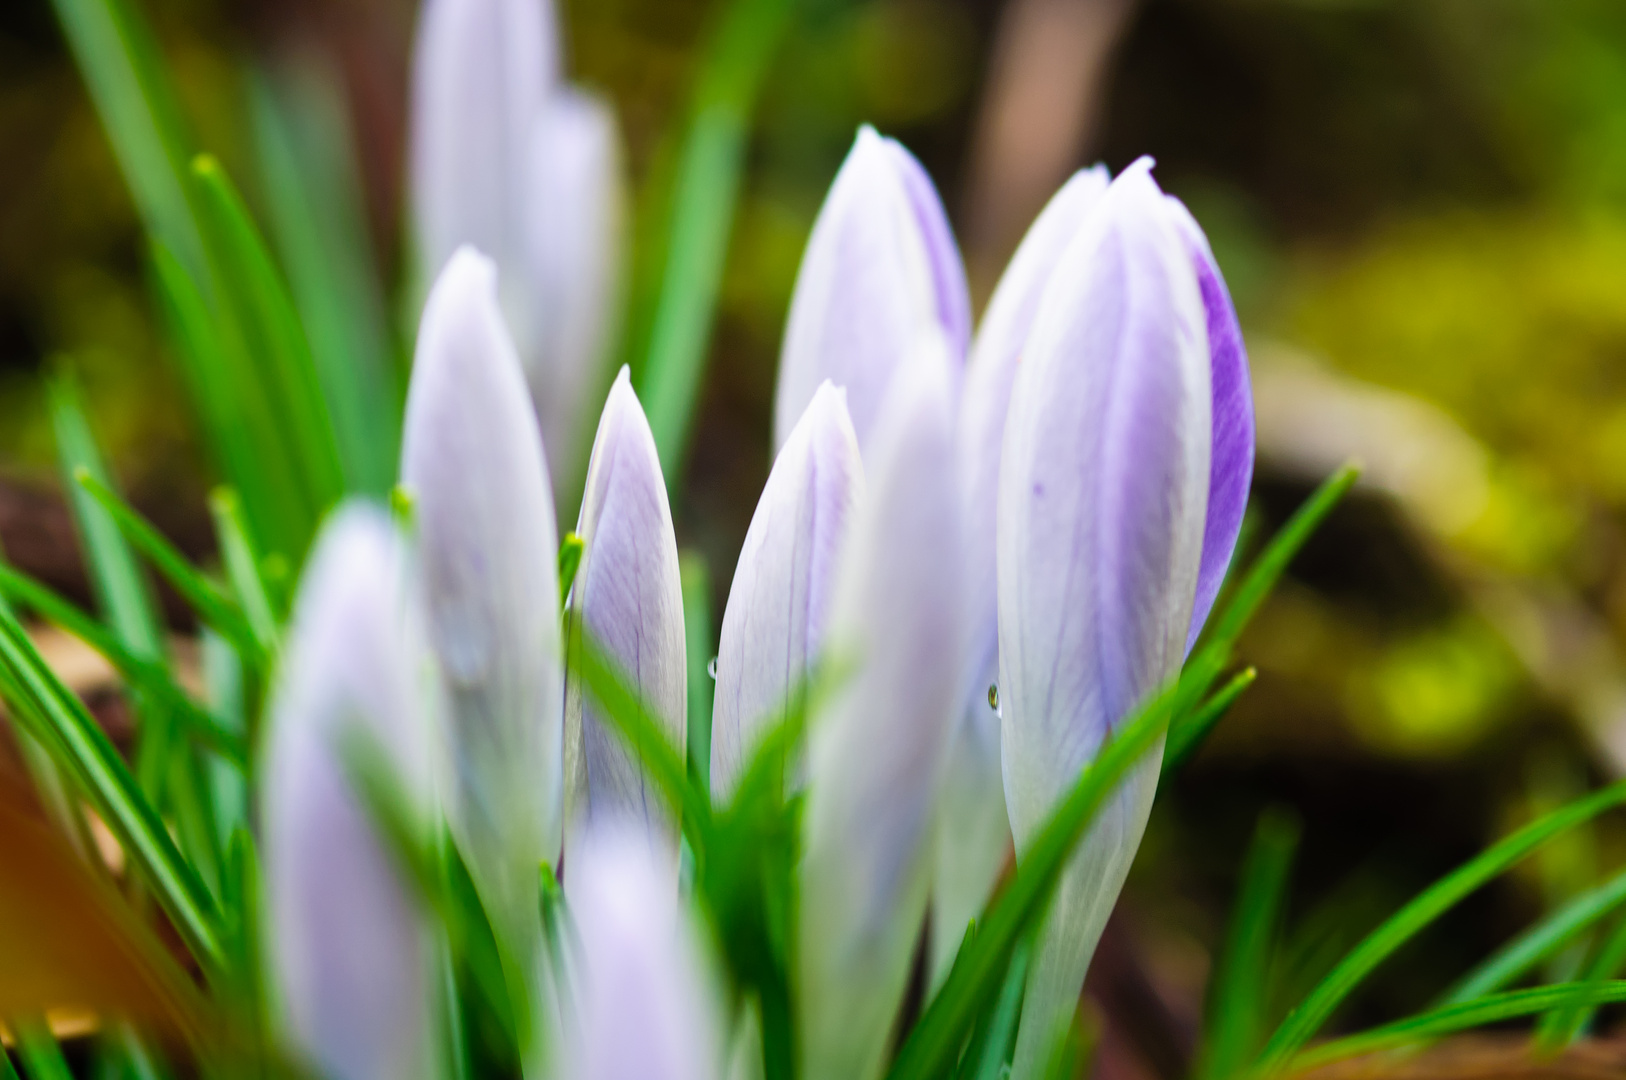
1186, 737
1462, 1016
313, 197
570, 561
1314, 1011
700, 646
41, 1053
146, 676
932, 1046
205, 597
253, 293
84, 749
700, 217
1563, 1026
1239, 991
242, 564
125, 73
1529, 949
1001, 1041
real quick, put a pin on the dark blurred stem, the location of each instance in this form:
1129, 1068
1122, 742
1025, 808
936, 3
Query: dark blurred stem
1119, 984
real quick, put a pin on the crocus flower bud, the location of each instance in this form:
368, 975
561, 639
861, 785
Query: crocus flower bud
1102, 502
881, 267
774, 624
347, 947
575, 243
481, 72
897, 636
628, 595
647, 1007
472, 459
975, 835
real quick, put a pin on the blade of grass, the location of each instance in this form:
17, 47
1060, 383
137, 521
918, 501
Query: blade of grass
1490, 1009
932, 1046
1001, 1041
1239, 991
316, 218
148, 677
41, 1053
1309, 1015
698, 643
256, 299
1561, 1027
1187, 736
242, 564
205, 597
700, 217
1530, 948
82, 746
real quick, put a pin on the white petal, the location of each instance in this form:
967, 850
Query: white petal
774, 624
472, 458
628, 594
876, 752
346, 943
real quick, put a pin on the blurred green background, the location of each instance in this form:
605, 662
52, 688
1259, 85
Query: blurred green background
1421, 208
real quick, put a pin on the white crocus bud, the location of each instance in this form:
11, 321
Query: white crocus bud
347, 945
897, 637
774, 624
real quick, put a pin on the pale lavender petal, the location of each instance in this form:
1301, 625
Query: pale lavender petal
1231, 468
647, 1008
1103, 494
480, 72
347, 947
472, 459
575, 226
628, 595
774, 624
880, 269
876, 752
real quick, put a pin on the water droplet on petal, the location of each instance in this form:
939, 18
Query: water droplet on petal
711, 669
993, 698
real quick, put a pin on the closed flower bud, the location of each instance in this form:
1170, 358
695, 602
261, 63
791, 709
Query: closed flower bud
779, 603
897, 636
1102, 504
880, 269
472, 459
628, 596
347, 946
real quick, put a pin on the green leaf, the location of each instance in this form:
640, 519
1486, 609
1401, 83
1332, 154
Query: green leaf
1239, 989
1314, 1011
83, 748
934, 1043
318, 222
1533, 946
699, 645
205, 597
1490, 1009
255, 302
242, 564
699, 218
1563, 1026
148, 677
1186, 737
1001, 1039
42, 1056
570, 560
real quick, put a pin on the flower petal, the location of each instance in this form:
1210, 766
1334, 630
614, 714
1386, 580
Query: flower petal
880, 269
629, 596
347, 947
1102, 499
876, 753
472, 458
774, 624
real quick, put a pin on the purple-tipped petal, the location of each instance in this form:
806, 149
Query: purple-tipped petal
646, 1008
481, 70
575, 269
472, 458
629, 597
880, 269
1102, 500
1231, 467
774, 624
347, 946
876, 752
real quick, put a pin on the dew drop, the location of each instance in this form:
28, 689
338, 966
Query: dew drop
993, 698
711, 669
